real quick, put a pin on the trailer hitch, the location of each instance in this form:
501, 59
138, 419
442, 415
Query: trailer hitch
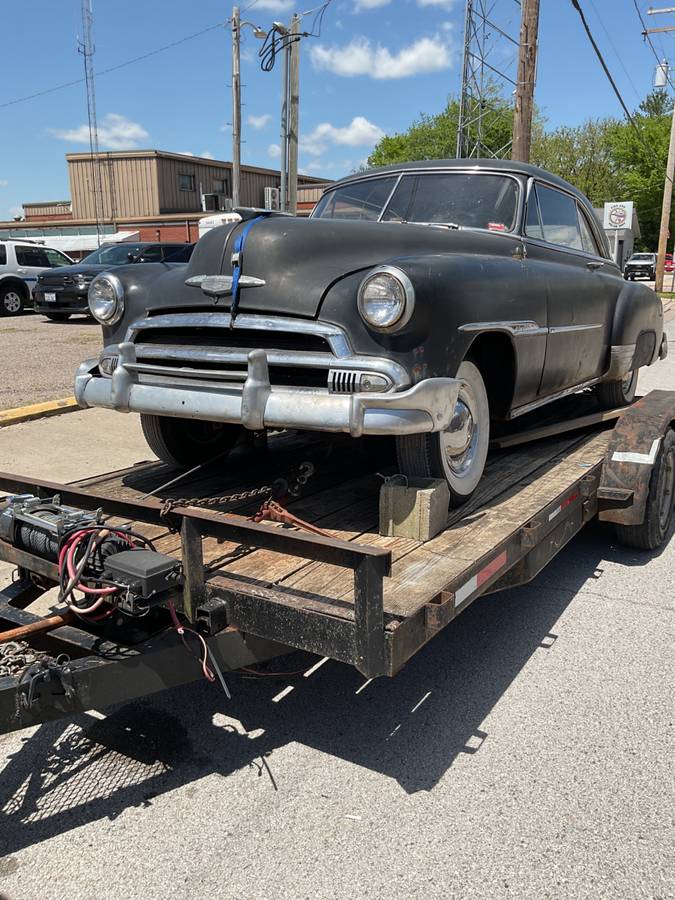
48, 682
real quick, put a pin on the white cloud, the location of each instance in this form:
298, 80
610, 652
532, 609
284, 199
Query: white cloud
360, 5
115, 132
359, 57
274, 5
206, 154
3, 182
274, 151
443, 4
359, 133
185, 153
259, 122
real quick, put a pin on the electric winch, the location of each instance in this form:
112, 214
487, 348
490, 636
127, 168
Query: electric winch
102, 568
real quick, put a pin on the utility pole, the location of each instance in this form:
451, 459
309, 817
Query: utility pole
665, 209
236, 107
527, 68
283, 137
294, 113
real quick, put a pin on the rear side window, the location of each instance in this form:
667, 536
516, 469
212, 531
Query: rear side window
177, 253
32, 256
3, 255
559, 218
533, 227
588, 240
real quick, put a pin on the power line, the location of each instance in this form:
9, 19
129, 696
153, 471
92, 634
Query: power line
616, 52
659, 59
122, 65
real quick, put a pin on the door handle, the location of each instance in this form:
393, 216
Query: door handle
21, 271
594, 265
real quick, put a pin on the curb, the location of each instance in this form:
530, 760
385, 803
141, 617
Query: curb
37, 411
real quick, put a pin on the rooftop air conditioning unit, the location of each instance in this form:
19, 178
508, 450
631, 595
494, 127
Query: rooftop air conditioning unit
272, 198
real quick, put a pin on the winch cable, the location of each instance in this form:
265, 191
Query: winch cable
237, 263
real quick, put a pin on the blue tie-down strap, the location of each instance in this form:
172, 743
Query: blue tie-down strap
238, 258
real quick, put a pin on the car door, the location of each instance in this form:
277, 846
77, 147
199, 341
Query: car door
577, 294
30, 261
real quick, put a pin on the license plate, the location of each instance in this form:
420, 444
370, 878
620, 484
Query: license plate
50, 298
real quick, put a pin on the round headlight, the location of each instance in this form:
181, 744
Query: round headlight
106, 299
386, 299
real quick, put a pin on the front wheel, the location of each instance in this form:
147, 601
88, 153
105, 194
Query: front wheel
188, 442
11, 301
459, 453
620, 392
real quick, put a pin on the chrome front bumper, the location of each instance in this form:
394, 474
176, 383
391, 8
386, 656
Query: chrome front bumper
256, 404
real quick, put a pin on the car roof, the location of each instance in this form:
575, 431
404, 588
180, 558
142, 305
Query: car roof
480, 165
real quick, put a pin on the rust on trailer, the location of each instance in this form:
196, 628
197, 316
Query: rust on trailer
631, 453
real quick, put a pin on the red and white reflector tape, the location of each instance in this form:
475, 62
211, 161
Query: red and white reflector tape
480, 578
566, 502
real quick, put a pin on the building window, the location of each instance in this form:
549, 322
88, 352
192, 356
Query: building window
186, 182
220, 185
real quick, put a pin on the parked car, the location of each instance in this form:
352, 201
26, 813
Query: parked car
668, 265
20, 263
640, 265
420, 300
60, 294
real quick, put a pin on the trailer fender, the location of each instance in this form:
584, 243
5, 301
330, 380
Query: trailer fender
629, 460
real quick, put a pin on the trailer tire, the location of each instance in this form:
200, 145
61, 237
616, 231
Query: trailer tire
651, 533
188, 442
620, 392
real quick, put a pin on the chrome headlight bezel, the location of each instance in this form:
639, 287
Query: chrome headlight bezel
116, 300
406, 304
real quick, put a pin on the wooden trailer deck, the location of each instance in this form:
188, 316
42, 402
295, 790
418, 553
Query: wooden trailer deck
521, 494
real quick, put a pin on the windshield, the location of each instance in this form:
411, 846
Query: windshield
113, 254
443, 198
637, 257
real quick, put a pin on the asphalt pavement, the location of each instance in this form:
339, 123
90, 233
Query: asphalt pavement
527, 751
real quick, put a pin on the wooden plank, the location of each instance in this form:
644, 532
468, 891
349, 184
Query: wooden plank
538, 434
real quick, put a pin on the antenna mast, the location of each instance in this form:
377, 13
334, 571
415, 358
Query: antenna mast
86, 48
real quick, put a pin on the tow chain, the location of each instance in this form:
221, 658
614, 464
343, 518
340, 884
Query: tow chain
280, 487
16, 656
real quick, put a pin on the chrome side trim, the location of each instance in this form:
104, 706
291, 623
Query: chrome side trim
528, 407
336, 338
562, 329
515, 328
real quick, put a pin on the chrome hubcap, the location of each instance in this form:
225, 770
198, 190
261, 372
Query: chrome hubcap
627, 382
667, 490
460, 441
12, 302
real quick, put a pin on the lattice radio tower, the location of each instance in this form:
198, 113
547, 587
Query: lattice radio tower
489, 71
86, 48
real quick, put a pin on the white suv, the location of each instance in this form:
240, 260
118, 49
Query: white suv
20, 264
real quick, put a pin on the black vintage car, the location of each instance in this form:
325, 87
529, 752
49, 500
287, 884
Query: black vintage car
58, 295
421, 300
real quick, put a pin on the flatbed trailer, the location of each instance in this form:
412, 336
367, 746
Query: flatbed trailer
256, 590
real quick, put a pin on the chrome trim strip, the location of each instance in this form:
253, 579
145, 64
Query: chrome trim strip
515, 328
561, 329
336, 338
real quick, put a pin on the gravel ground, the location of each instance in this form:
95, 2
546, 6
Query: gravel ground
38, 358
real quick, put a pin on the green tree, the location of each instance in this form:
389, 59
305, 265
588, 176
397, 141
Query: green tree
435, 136
582, 155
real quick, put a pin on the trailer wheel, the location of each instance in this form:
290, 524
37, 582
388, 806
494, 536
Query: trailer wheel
620, 392
651, 533
188, 442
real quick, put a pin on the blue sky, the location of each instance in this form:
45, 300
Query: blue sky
376, 65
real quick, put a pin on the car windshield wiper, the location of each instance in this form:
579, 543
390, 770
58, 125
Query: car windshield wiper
451, 225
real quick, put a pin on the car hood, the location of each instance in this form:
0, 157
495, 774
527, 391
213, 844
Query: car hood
63, 272
300, 259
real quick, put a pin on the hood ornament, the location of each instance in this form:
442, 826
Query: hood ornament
221, 285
